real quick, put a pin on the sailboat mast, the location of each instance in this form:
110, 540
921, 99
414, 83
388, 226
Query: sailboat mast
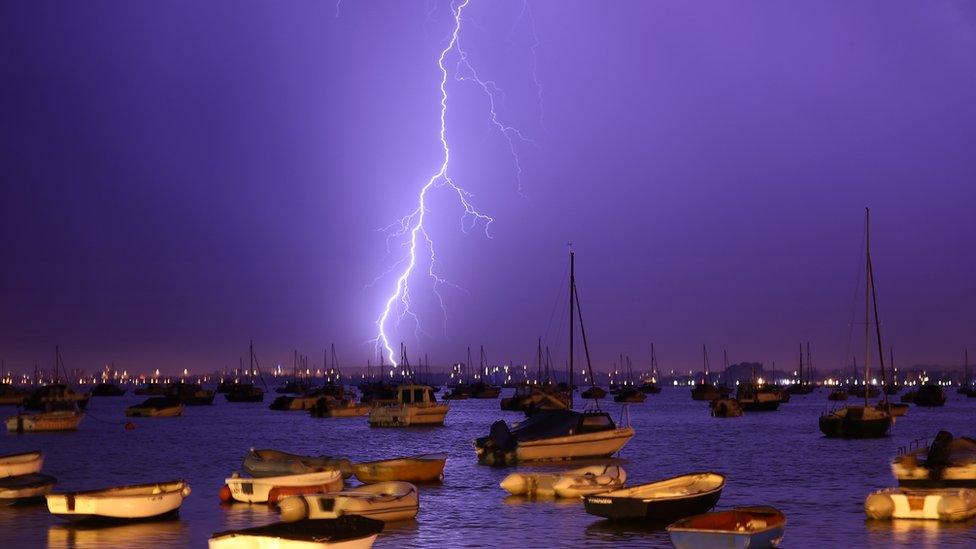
572, 314
867, 301
877, 327
538, 361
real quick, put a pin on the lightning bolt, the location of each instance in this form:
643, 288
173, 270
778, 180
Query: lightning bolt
397, 306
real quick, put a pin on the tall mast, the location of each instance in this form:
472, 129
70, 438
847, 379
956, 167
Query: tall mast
877, 327
809, 364
653, 364
966, 352
867, 301
801, 364
725, 369
538, 361
467, 368
572, 314
705, 362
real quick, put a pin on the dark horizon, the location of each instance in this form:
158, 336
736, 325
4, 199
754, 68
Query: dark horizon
181, 178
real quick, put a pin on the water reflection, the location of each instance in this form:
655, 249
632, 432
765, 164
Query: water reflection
913, 531
617, 532
245, 515
543, 500
141, 534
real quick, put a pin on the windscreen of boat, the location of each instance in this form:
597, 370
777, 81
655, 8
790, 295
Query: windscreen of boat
547, 424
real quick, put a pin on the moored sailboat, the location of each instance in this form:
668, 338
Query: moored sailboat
862, 421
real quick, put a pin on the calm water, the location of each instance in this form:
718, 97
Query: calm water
777, 458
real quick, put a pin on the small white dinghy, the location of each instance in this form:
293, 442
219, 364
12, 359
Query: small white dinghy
12, 465
945, 504
271, 489
348, 532
386, 501
567, 484
25, 488
138, 502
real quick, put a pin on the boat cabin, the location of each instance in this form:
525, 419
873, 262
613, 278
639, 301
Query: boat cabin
415, 394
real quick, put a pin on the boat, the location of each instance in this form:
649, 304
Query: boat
802, 386
909, 397
107, 390
271, 489
725, 407
705, 389
346, 532
165, 406
930, 396
11, 395
26, 488
863, 421
567, 484
553, 435
631, 395
386, 501
740, 527
416, 469
629, 392
947, 462
416, 405
855, 422
275, 463
660, 502
56, 393
244, 392
594, 393
460, 391
137, 502
755, 397
59, 417
152, 389
943, 504
191, 394
838, 394
482, 389
295, 402
650, 386
12, 465
327, 406
864, 391
893, 408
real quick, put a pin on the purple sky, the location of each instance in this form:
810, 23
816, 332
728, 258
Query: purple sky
179, 177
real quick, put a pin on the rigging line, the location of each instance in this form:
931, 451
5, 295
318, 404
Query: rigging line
857, 286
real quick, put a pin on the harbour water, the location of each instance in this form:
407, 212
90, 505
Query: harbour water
773, 458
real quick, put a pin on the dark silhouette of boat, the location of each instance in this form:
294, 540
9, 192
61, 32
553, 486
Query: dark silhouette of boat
660, 502
930, 396
107, 390
862, 421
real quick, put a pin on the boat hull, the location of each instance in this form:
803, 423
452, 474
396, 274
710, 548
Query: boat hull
834, 426
25, 488
588, 445
946, 505
162, 500
21, 464
386, 501
654, 512
739, 528
47, 421
759, 405
258, 490
408, 415
173, 411
415, 470
348, 532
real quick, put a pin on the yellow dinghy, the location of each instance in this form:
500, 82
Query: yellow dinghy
425, 468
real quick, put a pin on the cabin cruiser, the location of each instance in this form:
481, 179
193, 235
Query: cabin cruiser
553, 435
930, 395
415, 405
